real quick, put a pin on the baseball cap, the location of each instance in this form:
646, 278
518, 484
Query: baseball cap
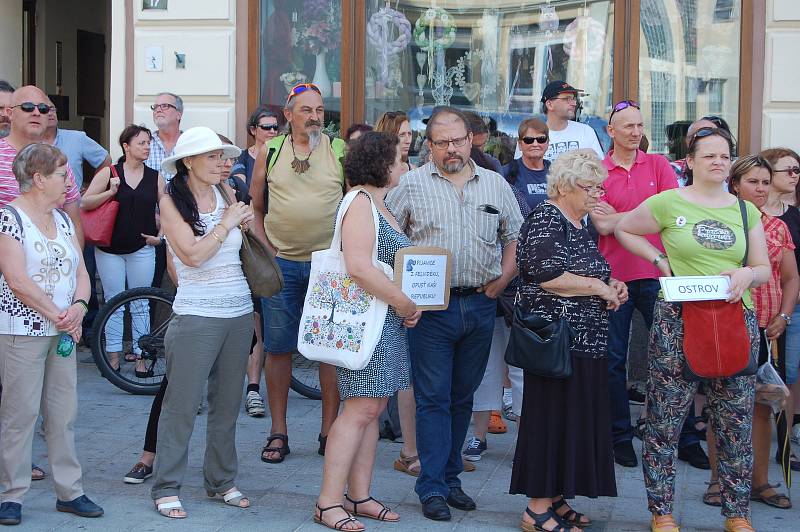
554, 88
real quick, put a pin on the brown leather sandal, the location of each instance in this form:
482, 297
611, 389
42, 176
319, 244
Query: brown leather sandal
405, 465
776, 500
712, 497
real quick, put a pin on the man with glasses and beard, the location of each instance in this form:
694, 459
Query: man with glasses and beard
302, 173
6, 90
633, 176
452, 203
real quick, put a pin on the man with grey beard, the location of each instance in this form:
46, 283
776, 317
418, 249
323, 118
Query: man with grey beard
6, 91
453, 203
301, 173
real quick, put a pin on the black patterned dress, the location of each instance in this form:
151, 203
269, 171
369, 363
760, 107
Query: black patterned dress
389, 369
564, 445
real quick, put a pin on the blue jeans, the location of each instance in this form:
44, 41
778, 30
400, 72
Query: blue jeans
281, 312
449, 351
642, 295
793, 347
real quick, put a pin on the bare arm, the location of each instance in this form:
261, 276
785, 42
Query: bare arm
70, 319
790, 286
630, 233
605, 218
257, 185
73, 210
358, 244
508, 266
99, 191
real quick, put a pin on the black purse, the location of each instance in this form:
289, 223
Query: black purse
539, 345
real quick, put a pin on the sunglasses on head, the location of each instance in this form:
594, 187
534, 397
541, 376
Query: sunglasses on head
541, 139
624, 104
707, 132
300, 89
28, 107
267, 127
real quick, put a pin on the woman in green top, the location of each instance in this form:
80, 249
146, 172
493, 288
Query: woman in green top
702, 229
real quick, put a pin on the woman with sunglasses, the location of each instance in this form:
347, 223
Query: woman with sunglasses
702, 229
784, 198
774, 302
396, 123
262, 126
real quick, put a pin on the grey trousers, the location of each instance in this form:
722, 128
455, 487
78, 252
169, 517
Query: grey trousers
34, 376
202, 349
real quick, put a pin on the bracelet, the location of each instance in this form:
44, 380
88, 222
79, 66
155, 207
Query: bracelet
214, 234
658, 259
82, 302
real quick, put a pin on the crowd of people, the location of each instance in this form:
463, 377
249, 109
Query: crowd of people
564, 232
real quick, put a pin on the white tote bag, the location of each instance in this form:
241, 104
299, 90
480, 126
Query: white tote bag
341, 322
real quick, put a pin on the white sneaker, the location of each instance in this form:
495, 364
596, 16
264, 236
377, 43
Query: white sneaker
254, 405
508, 402
796, 434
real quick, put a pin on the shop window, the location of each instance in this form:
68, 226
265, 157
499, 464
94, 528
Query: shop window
301, 42
688, 65
494, 58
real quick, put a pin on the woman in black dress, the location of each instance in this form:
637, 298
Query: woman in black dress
564, 447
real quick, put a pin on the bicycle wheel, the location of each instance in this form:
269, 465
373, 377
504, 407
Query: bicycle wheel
139, 317
305, 377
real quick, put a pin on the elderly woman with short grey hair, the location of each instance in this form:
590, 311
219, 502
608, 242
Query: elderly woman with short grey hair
563, 273
43, 293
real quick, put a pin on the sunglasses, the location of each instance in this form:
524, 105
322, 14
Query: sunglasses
300, 89
541, 139
624, 104
28, 107
162, 106
708, 131
267, 127
791, 170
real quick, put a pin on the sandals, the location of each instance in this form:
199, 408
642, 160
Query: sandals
338, 525
231, 498
282, 451
166, 509
381, 516
405, 464
37, 473
130, 356
712, 497
539, 521
663, 523
776, 500
571, 516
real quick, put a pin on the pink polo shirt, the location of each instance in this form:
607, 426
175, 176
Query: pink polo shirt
9, 187
625, 190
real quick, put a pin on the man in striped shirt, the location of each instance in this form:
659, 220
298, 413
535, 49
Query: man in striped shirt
452, 203
28, 114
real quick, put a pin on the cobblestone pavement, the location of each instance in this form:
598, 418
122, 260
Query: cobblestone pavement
110, 430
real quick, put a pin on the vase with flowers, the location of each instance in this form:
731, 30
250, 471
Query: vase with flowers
319, 34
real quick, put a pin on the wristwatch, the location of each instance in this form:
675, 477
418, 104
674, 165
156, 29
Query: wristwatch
786, 318
658, 259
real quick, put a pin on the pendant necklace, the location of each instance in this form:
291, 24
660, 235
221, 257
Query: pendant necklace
300, 166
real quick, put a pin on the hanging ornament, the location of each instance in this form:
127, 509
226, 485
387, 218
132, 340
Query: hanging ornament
379, 30
585, 37
548, 19
425, 30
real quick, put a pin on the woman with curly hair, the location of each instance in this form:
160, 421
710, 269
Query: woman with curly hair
372, 165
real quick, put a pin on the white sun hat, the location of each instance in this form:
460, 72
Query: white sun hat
195, 141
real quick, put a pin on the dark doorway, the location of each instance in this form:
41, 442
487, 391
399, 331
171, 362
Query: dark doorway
91, 51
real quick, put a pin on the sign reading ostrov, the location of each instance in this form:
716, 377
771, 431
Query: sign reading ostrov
423, 274
695, 288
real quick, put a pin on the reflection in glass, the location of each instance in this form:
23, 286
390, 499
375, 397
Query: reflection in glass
493, 58
301, 42
688, 67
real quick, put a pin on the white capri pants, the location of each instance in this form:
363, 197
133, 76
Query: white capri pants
489, 395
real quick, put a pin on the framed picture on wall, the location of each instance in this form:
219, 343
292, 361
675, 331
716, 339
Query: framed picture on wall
154, 4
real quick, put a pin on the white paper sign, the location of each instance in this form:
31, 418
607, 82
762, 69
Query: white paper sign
695, 288
425, 278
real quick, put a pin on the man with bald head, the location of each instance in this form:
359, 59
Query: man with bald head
633, 176
28, 114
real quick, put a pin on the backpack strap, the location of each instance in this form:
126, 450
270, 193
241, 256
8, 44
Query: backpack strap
274, 148
743, 210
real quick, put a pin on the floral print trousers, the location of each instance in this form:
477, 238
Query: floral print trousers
669, 394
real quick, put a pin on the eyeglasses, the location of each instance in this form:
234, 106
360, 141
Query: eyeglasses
28, 107
624, 104
162, 107
791, 170
443, 144
300, 89
595, 190
267, 127
541, 139
569, 99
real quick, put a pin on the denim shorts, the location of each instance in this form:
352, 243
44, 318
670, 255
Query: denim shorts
793, 347
282, 311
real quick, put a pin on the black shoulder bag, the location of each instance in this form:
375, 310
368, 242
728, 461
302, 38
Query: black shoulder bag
539, 345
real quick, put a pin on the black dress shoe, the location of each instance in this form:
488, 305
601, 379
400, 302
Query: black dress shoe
695, 455
624, 454
460, 500
436, 509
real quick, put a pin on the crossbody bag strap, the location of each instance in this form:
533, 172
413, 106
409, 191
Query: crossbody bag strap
745, 226
15, 213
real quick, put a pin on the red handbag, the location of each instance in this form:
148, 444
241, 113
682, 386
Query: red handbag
98, 224
715, 339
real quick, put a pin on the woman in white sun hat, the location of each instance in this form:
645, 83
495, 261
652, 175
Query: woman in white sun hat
209, 338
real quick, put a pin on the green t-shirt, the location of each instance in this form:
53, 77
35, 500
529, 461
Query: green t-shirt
702, 240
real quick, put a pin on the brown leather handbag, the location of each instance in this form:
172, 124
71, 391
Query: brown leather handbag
259, 265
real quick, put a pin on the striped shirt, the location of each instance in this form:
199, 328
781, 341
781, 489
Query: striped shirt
767, 297
9, 186
431, 212
157, 155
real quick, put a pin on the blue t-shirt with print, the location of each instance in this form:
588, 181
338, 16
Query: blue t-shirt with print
532, 183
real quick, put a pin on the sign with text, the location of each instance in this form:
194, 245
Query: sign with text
423, 274
695, 288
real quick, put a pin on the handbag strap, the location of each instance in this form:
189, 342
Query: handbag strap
336, 242
228, 202
743, 210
